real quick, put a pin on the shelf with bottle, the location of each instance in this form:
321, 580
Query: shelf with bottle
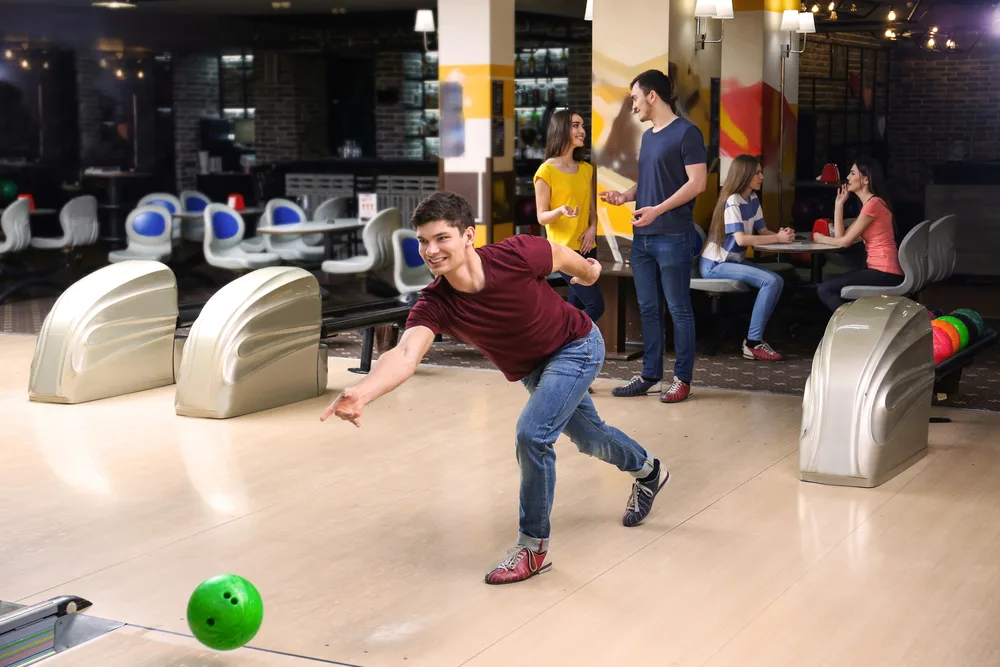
420, 66
541, 63
421, 124
527, 96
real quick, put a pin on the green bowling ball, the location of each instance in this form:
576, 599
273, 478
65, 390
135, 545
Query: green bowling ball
225, 612
976, 318
963, 332
970, 326
8, 189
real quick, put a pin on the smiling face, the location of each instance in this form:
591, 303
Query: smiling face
576, 132
641, 103
443, 247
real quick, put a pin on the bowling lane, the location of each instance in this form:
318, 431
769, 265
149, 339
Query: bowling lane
138, 647
91, 485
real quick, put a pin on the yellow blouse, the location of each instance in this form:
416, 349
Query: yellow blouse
568, 190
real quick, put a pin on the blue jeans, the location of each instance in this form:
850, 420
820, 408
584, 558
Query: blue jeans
559, 403
587, 298
661, 266
768, 282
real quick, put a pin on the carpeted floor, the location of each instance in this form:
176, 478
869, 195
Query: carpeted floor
979, 389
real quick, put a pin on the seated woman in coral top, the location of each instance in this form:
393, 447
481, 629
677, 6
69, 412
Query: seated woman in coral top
875, 227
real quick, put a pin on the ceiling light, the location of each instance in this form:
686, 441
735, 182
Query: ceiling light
890, 33
891, 16
815, 9
45, 65
114, 4
833, 16
120, 73
930, 42
8, 54
934, 30
950, 44
141, 74
284, 4
25, 64
832, 7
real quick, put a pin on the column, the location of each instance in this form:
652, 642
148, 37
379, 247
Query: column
755, 73
476, 75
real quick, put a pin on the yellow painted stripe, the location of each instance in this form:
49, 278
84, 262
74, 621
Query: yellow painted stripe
477, 87
758, 5
446, 72
729, 128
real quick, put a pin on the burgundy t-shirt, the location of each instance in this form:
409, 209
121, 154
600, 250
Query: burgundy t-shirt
517, 320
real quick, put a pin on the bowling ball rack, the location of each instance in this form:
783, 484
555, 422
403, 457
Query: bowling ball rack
948, 374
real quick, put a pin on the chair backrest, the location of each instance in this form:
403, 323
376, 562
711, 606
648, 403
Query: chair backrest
164, 199
283, 212
16, 225
941, 248
224, 228
194, 201
337, 207
150, 226
78, 219
409, 270
913, 257
377, 237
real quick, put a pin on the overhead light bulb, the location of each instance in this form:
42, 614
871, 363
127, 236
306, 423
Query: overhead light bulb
815, 8
832, 6
931, 42
891, 15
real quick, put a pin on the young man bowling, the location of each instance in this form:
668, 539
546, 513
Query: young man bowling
497, 299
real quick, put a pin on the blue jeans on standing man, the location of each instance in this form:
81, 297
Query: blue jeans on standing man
661, 267
559, 403
769, 284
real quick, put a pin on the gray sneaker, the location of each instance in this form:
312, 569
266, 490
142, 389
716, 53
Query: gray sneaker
636, 387
640, 503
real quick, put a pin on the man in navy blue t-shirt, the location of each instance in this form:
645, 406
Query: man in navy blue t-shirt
672, 172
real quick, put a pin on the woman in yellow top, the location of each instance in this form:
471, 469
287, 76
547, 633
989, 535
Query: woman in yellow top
565, 203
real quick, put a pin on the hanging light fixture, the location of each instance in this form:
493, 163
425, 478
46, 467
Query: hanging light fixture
424, 23
891, 16
114, 4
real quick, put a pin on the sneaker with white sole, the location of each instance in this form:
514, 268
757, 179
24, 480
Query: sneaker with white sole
636, 387
640, 503
760, 352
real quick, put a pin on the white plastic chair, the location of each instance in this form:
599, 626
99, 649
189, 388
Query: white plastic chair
16, 225
224, 229
377, 238
167, 201
912, 259
410, 272
78, 219
941, 253
330, 209
194, 202
149, 230
288, 247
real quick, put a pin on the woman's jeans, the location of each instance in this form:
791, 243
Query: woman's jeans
586, 297
829, 290
559, 403
661, 267
769, 284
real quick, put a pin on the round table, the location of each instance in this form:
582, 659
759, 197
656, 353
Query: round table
804, 246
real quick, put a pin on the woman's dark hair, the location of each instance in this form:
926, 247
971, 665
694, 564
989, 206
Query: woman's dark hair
557, 139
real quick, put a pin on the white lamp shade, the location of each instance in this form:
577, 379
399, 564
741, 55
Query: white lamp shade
724, 9
425, 21
705, 9
588, 14
790, 20
807, 22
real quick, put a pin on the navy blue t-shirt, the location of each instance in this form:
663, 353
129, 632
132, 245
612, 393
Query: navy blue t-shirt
662, 158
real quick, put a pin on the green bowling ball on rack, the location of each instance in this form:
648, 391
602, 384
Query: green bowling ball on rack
963, 331
976, 318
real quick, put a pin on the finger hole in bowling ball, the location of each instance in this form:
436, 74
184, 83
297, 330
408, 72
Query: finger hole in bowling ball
227, 595
235, 601
210, 621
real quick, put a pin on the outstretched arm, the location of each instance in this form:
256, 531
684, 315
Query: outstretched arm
393, 369
584, 271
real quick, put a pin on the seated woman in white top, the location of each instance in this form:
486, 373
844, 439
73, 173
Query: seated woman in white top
736, 224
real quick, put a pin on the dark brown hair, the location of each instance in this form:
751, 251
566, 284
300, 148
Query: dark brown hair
658, 82
557, 140
447, 206
741, 173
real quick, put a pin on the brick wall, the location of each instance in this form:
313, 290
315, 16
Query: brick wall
196, 96
580, 87
937, 102
390, 118
290, 94
825, 70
